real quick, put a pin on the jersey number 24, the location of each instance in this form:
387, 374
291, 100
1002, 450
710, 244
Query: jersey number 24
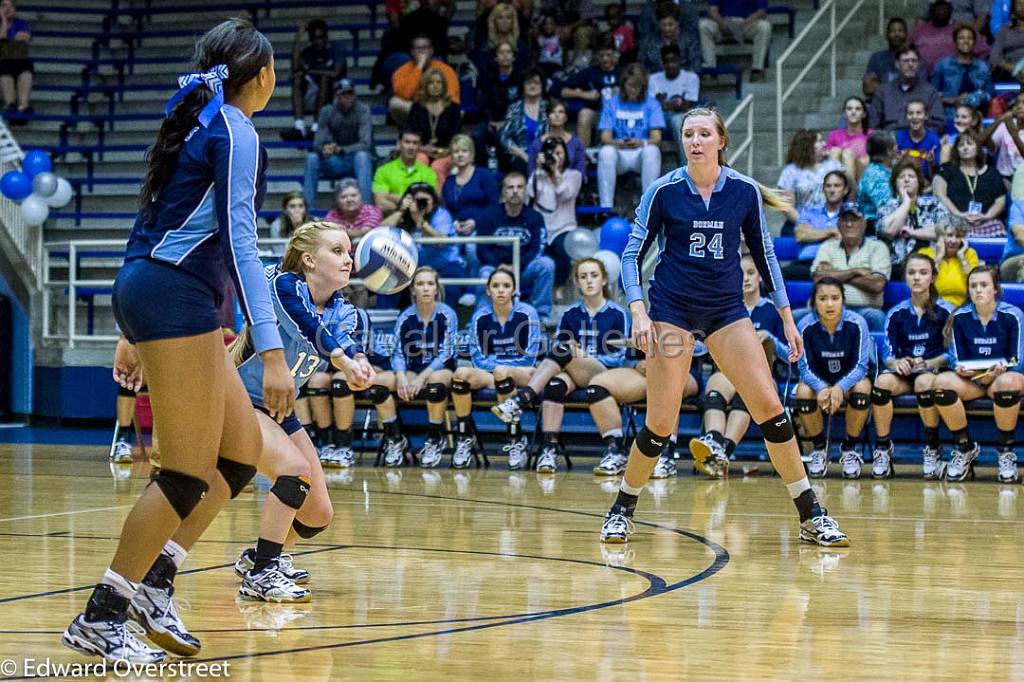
714, 245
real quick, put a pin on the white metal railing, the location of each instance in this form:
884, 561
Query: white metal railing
829, 8
26, 241
746, 146
61, 294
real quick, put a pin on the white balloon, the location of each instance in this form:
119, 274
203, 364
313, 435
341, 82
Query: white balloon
612, 263
34, 210
44, 185
62, 197
580, 243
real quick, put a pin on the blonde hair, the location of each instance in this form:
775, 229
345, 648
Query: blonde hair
770, 197
463, 141
493, 37
307, 238
437, 280
421, 89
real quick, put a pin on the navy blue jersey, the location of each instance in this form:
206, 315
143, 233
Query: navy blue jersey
204, 218
766, 318
310, 336
423, 343
1000, 338
699, 264
908, 335
838, 359
592, 334
528, 227
515, 343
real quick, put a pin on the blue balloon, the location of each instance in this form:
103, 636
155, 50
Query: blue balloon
615, 234
15, 185
36, 162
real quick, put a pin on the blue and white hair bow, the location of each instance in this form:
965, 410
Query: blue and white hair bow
212, 79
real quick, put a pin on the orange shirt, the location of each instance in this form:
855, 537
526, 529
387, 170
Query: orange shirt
406, 79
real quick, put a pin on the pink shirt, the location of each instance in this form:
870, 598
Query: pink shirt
840, 139
368, 216
1008, 155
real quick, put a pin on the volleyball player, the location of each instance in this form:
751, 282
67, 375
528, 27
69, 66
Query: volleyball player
581, 350
505, 341
985, 330
913, 353
701, 210
421, 367
121, 445
206, 163
726, 419
833, 369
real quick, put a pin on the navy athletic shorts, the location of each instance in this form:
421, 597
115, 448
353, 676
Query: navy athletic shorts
290, 424
154, 300
701, 322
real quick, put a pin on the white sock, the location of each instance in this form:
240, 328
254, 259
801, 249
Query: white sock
300, 125
797, 487
615, 433
176, 552
124, 587
630, 490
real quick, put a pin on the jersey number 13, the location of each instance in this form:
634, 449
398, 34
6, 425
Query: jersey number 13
699, 242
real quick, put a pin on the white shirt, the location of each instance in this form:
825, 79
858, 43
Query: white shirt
685, 85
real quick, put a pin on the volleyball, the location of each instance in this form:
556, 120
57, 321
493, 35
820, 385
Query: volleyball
386, 259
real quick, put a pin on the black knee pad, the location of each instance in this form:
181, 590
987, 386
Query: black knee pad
378, 394
596, 394
182, 491
713, 400
737, 404
339, 388
317, 392
925, 398
1006, 398
123, 392
461, 387
561, 352
437, 393
859, 401
806, 405
306, 532
556, 390
880, 396
236, 474
506, 385
778, 429
649, 443
944, 398
291, 490
303, 392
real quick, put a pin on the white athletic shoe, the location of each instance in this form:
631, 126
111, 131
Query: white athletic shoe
616, 528
121, 452
517, 451
110, 640
932, 466
881, 463
329, 457
613, 462
1008, 466
818, 466
852, 463
961, 464
394, 451
665, 468
547, 462
431, 453
823, 531
344, 456
285, 564
272, 586
508, 410
709, 456
462, 456
153, 608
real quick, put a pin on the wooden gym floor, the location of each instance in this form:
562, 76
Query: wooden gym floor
491, 575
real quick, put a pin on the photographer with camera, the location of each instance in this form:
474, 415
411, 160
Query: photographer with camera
553, 189
420, 214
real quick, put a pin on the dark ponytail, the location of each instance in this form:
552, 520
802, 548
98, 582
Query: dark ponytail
245, 51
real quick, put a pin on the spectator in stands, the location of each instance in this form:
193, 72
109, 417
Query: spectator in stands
742, 20
953, 258
1011, 265
971, 189
620, 30
502, 27
581, 55
934, 37
911, 221
315, 70
631, 123
677, 91
817, 224
468, 192
524, 122
833, 371
437, 119
860, 264
965, 117
962, 78
975, 13
849, 144
513, 218
553, 189
343, 145
916, 141
670, 33
294, 212
406, 79
882, 67
351, 212
558, 116
1005, 139
496, 89
585, 92
548, 46
573, 16
1008, 48
874, 189
805, 169
889, 105
431, 19
394, 177
16, 68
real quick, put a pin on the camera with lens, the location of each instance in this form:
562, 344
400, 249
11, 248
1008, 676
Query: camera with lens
422, 203
548, 150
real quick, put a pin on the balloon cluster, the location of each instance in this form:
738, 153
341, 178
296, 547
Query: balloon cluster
36, 187
583, 243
